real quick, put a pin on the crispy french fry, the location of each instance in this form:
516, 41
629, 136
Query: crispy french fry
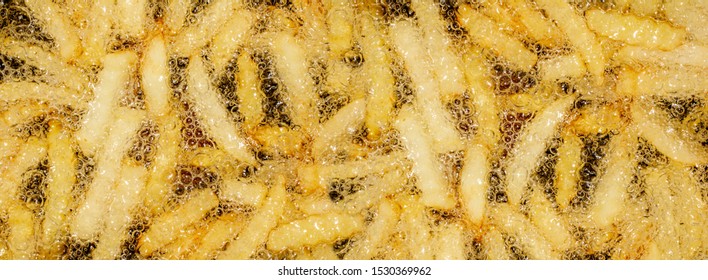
255, 233
315, 204
165, 228
486, 33
689, 54
559, 67
219, 233
155, 77
213, 114
175, 14
19, 91
132, 17
346, 121
112, 79
382, 228
249, 93
568, 169
635, 30
408, 43
314, 230
58, 26
197, 35
514, 223
531, 144
450, 242
474, 182
230, 37
435, 190
578, 34
90, 216
251, 194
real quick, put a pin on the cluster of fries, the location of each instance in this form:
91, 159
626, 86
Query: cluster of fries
338, 129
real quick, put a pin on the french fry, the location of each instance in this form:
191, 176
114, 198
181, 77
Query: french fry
502, 16
514, 223
165, 228
218, 234
531, 144
637, 231
435, 190
251, 194
255, 233
124, 199
578, 34
681, 82
346, 121
249, 93
474, 182
539, 28
559, 67
689, 14
690, 210
197, 35
61, 176
155, 77
568, 169
450, 242
97, 34
494, 247
230, 37
315, 204
549, 223
213, 114
667, 238
486, 33
383, 226
635, 30
29, 155
167, 149
416, 227
132, 17
307, 232
645, 7
175, 14
58, 26
9, 92
185, 241
20, 239
377, 188
112, 79
482, 94
690, 54
408, 43
281, 141
90, 215
340, 17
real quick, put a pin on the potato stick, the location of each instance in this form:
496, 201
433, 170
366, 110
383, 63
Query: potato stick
111, 80
578, 34
450, 242
197, 35
344, 123
485, 32
474, 182
61, 177
175, 14
445, 65
432, 183
408, 43
690, 210
635, 30
292, 66
165, 228
251, 194
667, 237
230, 37
377, 233
494, 247
255, 233
90, 215
159, 182
29, 155
611, 189
681, 82
20, 238
314, 230
155, 77
96, 35
531, 144
416, 228
18, 91
340, 17
213, 114
249, 92
539, 28
382, 92
645, 7
517, 225
482, 95
69, 75
132, 16
124, 199
559, 67
57, 25
549, 223
690, 14
666, 139
690, 54
568, 169
218, 234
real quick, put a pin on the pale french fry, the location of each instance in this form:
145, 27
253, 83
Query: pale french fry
314, 230
29, 155
167, 148
681, 82
549, 223
315, 204
230, 37
494, 247
486, 33
235, 190
611, 189
482, 94
408, 43
20, 239
112, 79
164, 228
559, 67
219, 233
213, 114
132, 17
666, 139
416, 227
382, 92
450, 242
474, 182
340, 18
439, 47
97, 34
690, 14
667, 238
377, 232
90, 215
197, 35
539, 28
255, 233
568, 169
155, 77
501, 16
645, 7
61, 176
58, 26
175, 14
531, 144
345, 122
689, 54
517, 225
635, 30
19, 91
124, 199
578, 34
249, 93
435, 190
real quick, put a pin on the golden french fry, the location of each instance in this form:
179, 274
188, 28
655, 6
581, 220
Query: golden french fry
156, 77
20, 239
494, 247
681, 82
690, 210
166, 154
58, 26
539, 28
340, 19
175, 14
645, 7
474, 182
132, 16
690, 54
690, 14
482, 94
549, 223
568, 169
635, 30
668, 244
197, 35
306, 232
249, 93
417, 228
96, 35
251, 194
